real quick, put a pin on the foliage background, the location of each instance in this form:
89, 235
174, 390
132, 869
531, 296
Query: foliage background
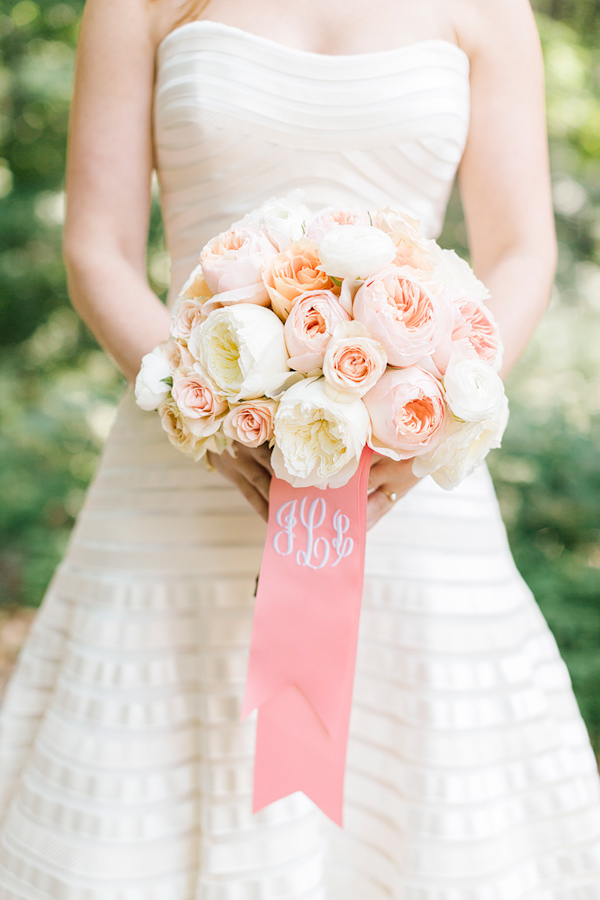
58, 390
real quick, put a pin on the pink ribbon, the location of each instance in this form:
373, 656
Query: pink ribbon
304, 637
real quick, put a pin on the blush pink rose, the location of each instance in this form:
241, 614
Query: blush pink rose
407, 412
232, 263
402, 314
187, 313
198, 403
354, 361
309, 326
412, 247
251, 423
178, 355
474, 333
331, 218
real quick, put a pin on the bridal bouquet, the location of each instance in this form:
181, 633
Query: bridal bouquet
329, 336
326, 333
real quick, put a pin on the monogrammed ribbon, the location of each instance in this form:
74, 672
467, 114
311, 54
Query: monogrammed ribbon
304, 636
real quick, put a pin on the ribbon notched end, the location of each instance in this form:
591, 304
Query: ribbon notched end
295, 752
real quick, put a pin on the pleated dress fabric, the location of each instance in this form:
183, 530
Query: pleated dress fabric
125, 773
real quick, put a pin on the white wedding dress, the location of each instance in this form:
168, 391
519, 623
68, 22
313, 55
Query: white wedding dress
125, 773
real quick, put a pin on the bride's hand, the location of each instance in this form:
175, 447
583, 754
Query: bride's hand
391, 476
250, 470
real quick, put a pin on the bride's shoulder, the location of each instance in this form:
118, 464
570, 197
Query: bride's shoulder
494, 27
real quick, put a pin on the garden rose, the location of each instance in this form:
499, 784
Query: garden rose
151, 389
251, 422
309, 327
233, 260
242, 350
318, 442
353, 362
455, 277
474, 333
331, 218
292, 273
474, 391
402, 314
412, 247
355, 251
198, 403
178, 355
407, 412
463, 448
186, 314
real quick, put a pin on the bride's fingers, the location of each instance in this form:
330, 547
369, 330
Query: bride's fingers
378, 504
251, 483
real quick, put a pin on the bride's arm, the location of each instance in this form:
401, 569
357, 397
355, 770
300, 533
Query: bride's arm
109, 168
504, 174
505, 189
108, 176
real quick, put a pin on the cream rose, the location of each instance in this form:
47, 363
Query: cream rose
355, 251
407, 412
153, 381
353, 363
402, 314
242, 350
309, 327
281, 218
177, 429
318, 442
251, 422
474, 391
232, 263
463, 448
330, 218
455, 276
292, 273
198, 403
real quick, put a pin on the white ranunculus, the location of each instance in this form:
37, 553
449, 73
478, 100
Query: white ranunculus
282, 218
474, 390
355, 251
242, 349
463, 449
150, 388
452, 274
318, 441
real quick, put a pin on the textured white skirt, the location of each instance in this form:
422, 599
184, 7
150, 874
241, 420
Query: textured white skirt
125, 773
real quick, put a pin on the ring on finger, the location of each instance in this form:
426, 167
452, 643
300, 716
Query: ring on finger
391, 495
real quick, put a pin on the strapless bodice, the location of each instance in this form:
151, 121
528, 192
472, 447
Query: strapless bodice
239, 118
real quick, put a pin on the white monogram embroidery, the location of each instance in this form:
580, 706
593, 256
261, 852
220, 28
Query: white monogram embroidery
317, 551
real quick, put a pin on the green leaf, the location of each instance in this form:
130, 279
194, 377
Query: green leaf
168, 380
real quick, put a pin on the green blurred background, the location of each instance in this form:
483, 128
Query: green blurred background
58, 390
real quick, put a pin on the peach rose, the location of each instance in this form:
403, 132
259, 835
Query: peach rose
251, 423
402, 314
291, 273
309, 327
354, 361
407, 412
330, 218
233, 260
179, 434
196, 288
198, 403
474, 333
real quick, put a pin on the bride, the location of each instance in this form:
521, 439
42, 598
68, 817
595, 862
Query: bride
125, 773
